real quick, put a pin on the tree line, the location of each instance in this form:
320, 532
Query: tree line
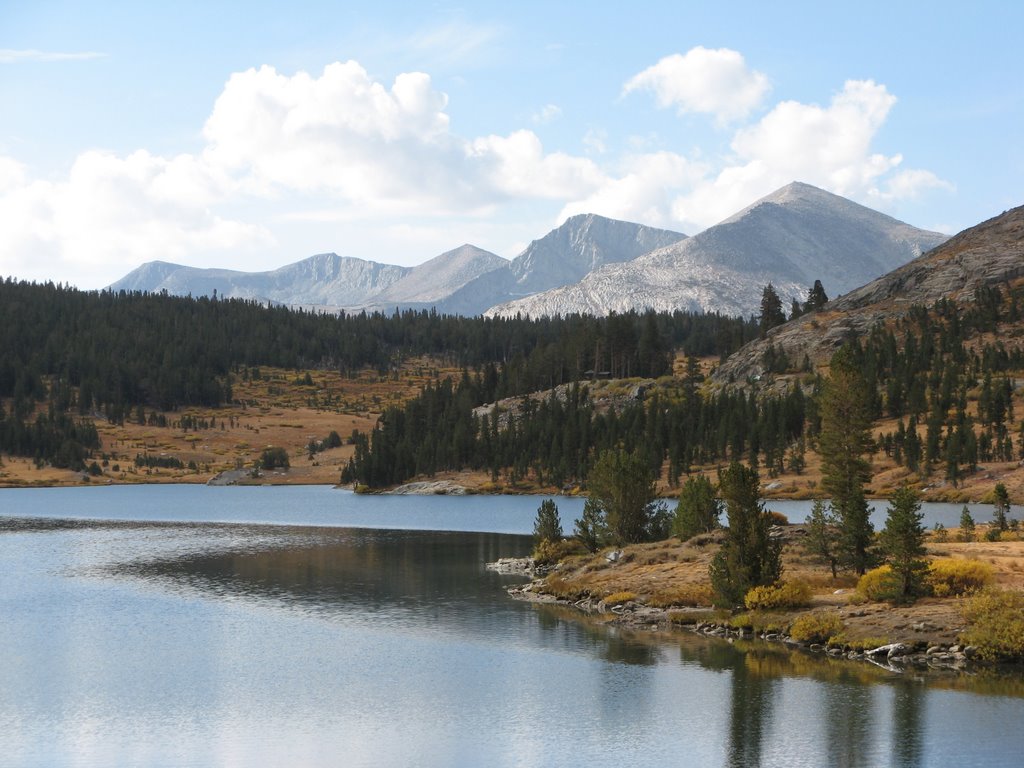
108, 353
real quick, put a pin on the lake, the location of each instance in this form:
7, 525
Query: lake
194, 626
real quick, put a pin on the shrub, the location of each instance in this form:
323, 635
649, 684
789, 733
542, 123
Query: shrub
818, 627
759, 621
684, 594
619, 598
274, 457
993, 534
879, 584
777, 518
996, 624
551, 552
783, 596
695, 617
559, 587
957, 576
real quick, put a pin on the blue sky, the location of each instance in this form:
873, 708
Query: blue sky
252, 135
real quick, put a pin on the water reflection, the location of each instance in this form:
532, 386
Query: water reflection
229, 644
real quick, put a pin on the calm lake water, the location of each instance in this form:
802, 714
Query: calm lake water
194, 626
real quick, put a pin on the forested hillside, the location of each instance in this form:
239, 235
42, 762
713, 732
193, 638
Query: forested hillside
69, 352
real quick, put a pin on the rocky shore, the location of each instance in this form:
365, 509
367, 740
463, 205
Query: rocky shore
927, 646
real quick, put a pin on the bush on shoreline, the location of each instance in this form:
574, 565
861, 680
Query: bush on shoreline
996, 624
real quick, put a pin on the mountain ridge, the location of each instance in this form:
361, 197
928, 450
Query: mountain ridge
793, 236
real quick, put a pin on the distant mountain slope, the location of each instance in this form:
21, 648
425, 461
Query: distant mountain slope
435, 280
324, 279
580, 245
791, 238
466, 280
990, 253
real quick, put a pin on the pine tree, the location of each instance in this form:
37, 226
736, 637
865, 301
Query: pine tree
591, 528
902, 540
816, 297
844, 441
749, 557
547, 526
966, 525
698, 509
771, 310
1001, 510
822, 539
622, 486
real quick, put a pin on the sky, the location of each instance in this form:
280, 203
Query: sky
249, 136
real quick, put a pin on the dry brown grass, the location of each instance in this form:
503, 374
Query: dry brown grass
276, 410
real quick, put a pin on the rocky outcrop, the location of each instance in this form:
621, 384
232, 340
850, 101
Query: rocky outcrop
430, 488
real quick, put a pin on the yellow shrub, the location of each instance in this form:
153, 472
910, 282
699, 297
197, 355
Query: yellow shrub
957, 576
759, 621
559, 587
879, 584
618, 598
784, 596
816, 627
684, 594
550, 552
995, 619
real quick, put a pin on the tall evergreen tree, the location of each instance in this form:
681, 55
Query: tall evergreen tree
771, 310
844, 442
698, 509
1001, 510
622, 486
748, 557
547, 526
822, 539
902, 541
966, 525
816, 297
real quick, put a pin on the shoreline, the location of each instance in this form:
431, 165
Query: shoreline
910, 655
79, 480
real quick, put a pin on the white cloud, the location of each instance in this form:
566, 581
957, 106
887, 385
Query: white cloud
341, 150
910, 184
716, 82
337, 147
829, 146
642, 191
11, 56
111, 211
546, 114
516, 164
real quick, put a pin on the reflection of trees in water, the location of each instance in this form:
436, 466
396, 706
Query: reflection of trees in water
908, 706
332, 569
610, 643
847, 714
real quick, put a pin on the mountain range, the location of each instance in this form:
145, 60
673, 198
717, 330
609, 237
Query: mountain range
988, 254
593, 264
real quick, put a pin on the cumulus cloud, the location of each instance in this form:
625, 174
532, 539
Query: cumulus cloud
351, 146
642, 190
711, 81
341, 147
828, 146
111, 211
